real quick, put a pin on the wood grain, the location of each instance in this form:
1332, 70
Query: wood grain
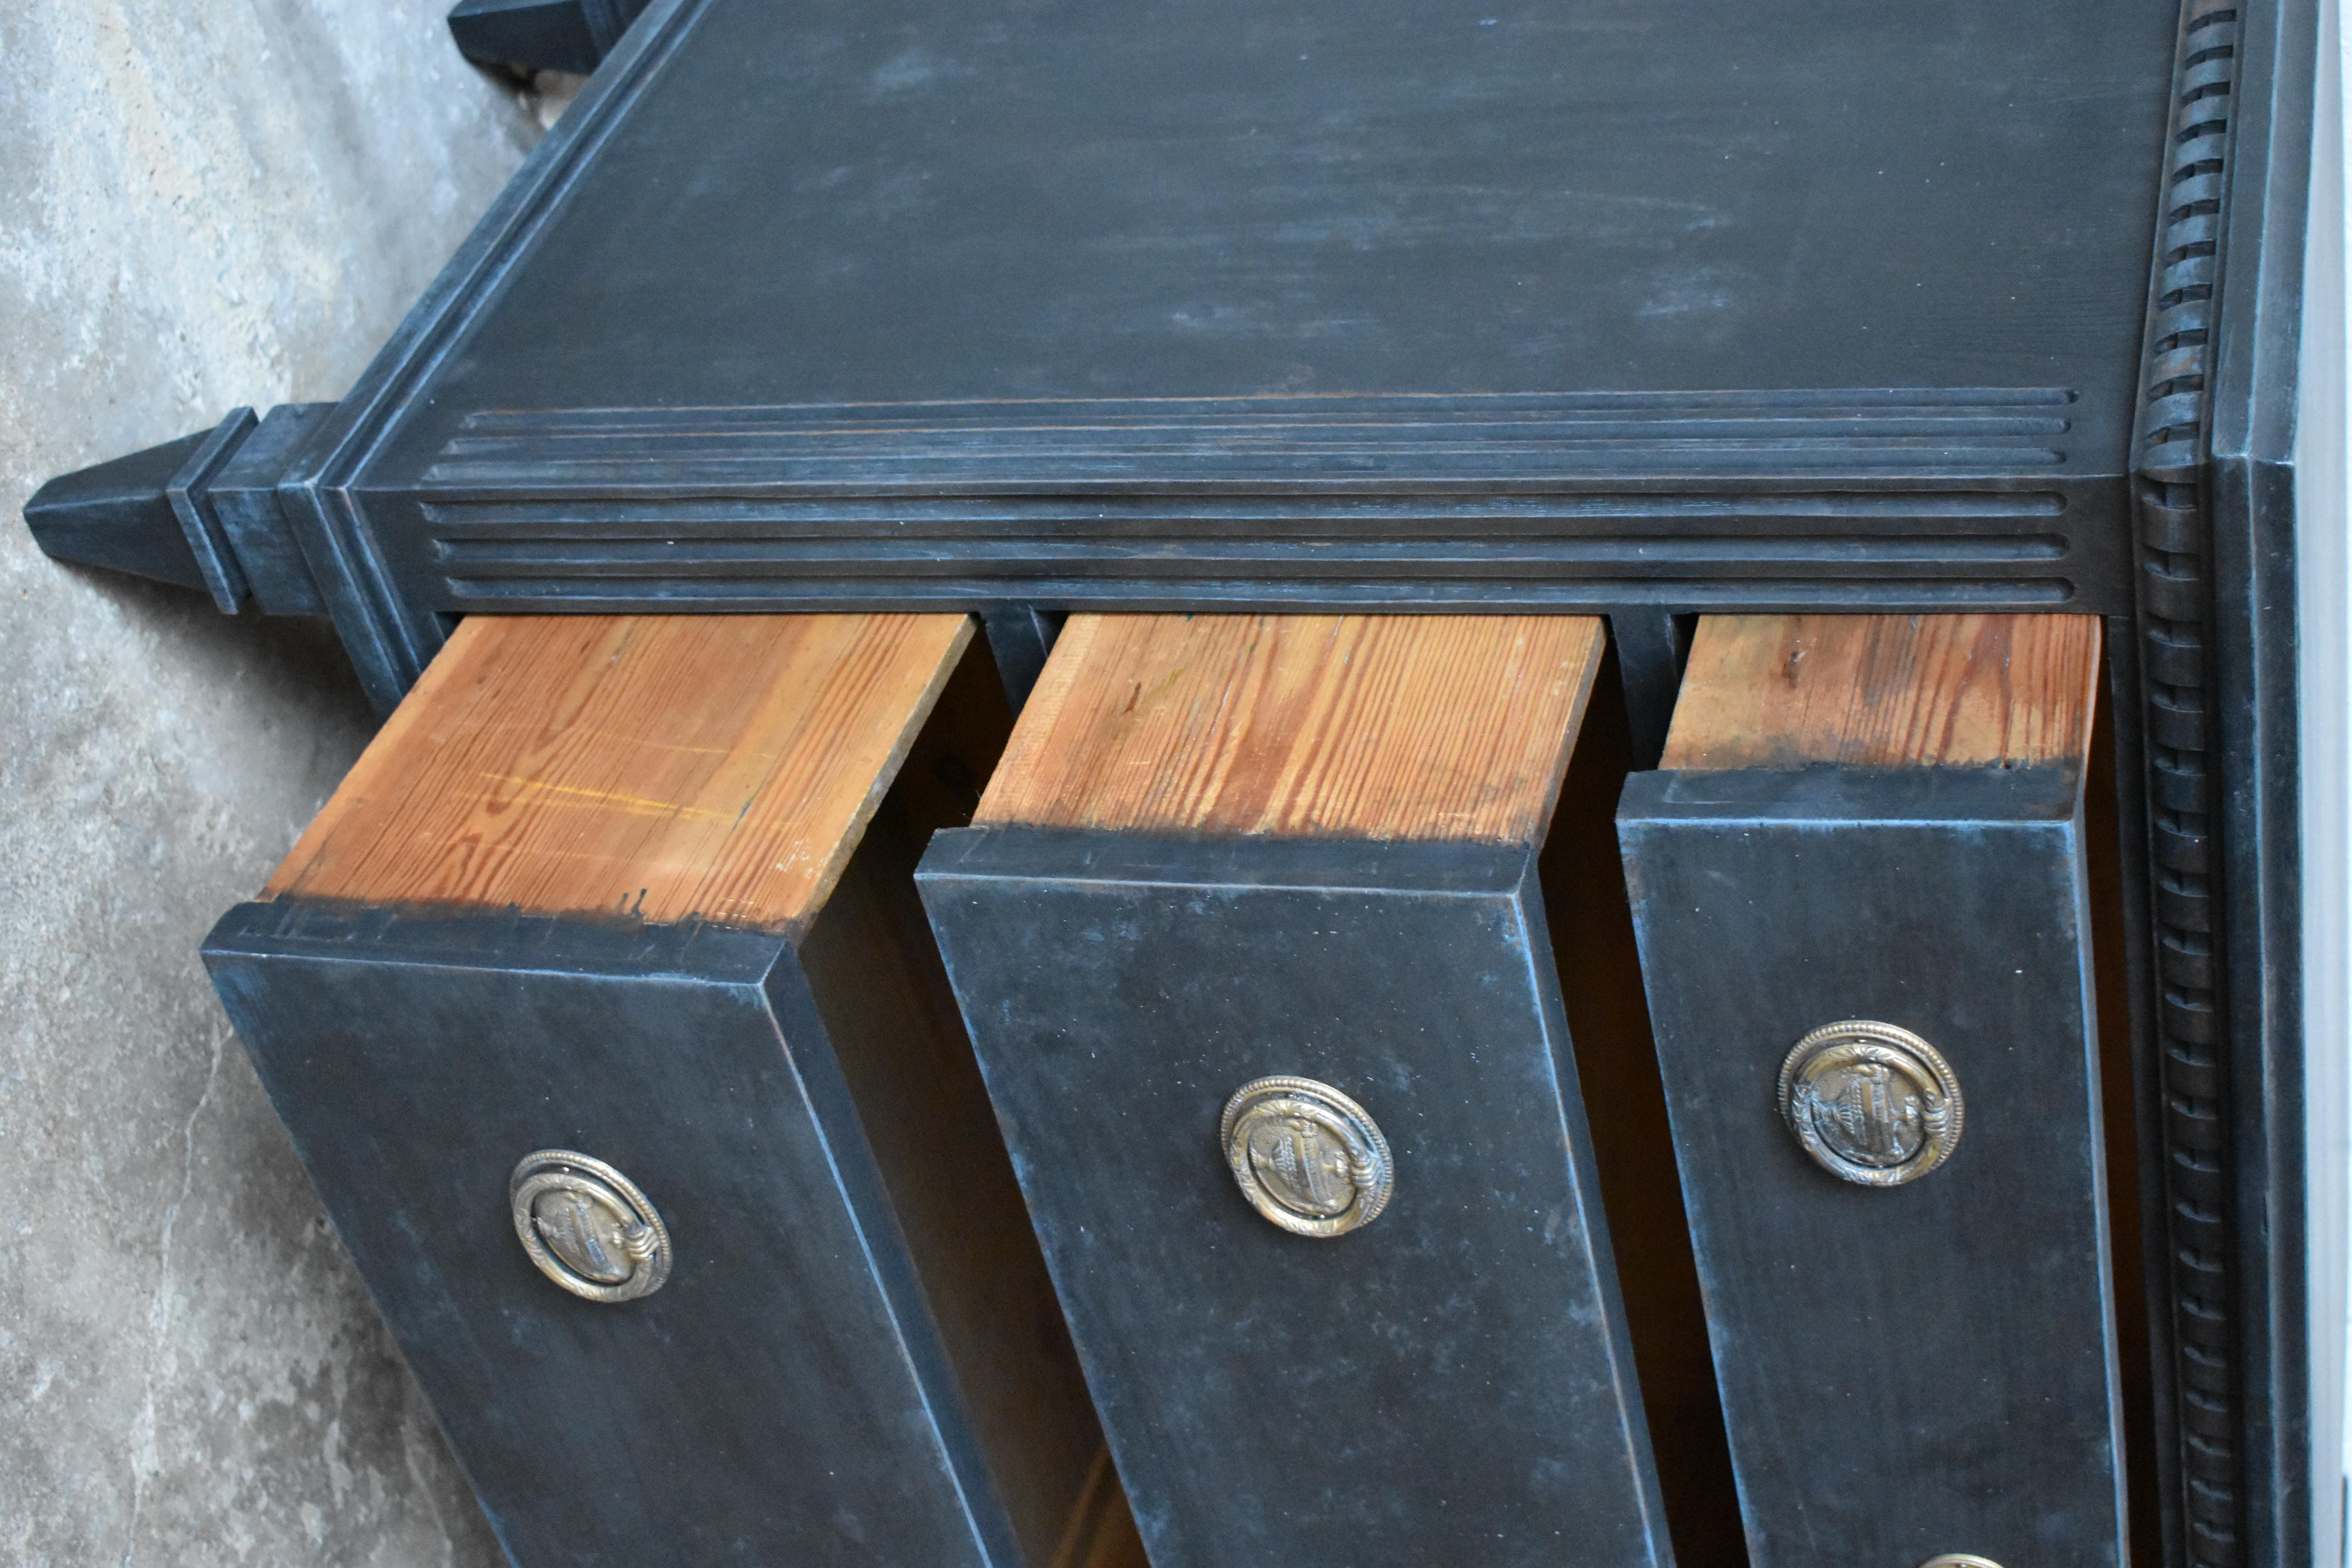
1886, 691
660, 767
1423, 727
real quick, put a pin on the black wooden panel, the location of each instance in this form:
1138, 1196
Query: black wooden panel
1278, 304
540, 34
1213, 198
1909, 1369
783, 1398
1451, 1383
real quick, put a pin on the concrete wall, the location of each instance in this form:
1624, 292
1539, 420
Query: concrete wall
201, 203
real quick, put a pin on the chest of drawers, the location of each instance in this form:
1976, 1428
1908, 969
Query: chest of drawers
1634, 312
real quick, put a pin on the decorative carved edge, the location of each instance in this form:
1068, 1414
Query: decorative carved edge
2174, 536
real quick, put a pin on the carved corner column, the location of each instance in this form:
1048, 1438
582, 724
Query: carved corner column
2196, 1229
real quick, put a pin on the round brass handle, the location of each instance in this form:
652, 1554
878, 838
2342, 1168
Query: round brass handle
587, 1227
1307, 1157
1960, 1559
1871, 1103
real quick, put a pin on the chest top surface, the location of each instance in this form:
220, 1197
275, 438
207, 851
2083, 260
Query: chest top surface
913, 243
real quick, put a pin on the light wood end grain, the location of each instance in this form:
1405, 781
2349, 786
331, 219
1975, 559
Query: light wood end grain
1886, 691
658, 767
1385, 727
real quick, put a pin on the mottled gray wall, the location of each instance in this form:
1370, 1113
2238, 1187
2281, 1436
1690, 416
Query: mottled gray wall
201, 203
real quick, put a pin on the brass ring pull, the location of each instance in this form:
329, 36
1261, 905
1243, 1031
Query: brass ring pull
1307, 1157
1872, 1104
588, 1228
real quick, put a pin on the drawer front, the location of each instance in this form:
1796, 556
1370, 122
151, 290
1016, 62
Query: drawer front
1449, 1383
780, 1398
1908, 1367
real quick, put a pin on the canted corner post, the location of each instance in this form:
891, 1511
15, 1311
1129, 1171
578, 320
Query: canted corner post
199, 512
602, 1011
1860, 887
1247, 936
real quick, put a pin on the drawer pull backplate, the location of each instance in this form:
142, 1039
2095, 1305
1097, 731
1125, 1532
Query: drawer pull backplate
1871, 1103
588, 1228
1307, 1157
